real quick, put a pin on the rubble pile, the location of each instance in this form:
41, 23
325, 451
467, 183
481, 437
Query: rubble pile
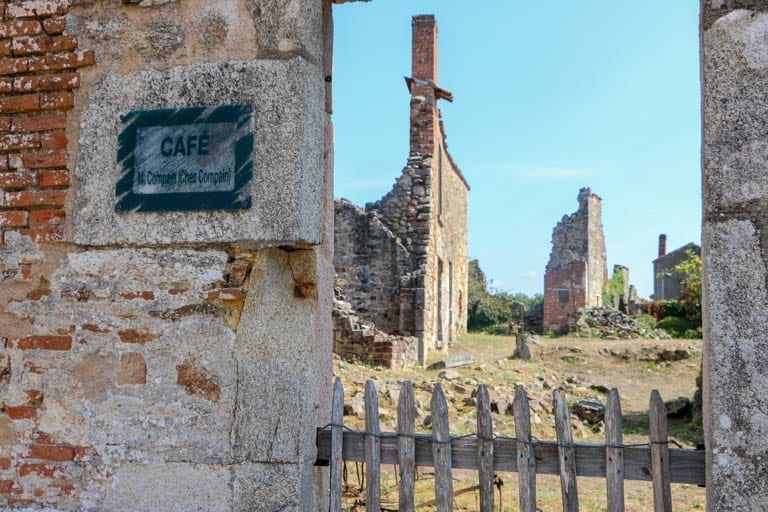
609, 323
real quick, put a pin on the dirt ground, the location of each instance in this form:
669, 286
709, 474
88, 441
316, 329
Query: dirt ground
584, 368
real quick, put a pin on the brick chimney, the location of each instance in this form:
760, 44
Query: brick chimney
424, 47
424, 113
662, 245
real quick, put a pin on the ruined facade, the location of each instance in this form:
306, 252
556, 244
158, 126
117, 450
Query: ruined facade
167, 360
666, 285
577, 269
402, 261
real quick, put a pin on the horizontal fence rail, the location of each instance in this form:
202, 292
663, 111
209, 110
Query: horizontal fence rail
489, 453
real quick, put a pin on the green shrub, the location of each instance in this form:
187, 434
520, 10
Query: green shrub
676, 326
646, 321
501, 329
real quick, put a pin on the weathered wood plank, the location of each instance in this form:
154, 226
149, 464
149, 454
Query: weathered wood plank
657, 415
441, 451
485, 448
686, 466
526, 458
372, 450
337, 437
406, 454
565, 452
614, 453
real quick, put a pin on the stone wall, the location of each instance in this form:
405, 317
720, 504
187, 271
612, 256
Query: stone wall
734, 52
358, 340
576, 238
137, 347
424, 215
666, 285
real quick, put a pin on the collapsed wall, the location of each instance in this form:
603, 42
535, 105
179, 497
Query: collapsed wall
166, 328
577, 271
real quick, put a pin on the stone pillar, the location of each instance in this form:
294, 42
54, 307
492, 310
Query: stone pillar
734, 52
167, 284
662, 245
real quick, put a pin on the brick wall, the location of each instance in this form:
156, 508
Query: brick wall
38, 72
565, 291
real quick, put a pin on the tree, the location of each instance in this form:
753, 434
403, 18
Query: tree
689, 271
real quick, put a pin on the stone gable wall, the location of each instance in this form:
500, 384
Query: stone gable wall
578, 261
410, 215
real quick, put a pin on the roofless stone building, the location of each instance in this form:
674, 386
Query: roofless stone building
402, 261
577, 270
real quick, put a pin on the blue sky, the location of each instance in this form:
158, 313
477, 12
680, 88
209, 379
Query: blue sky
550, 96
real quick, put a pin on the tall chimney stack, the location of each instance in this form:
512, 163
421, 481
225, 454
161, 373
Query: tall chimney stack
424, 46
662, 245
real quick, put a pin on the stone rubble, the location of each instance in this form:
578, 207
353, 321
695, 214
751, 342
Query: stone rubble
609, 323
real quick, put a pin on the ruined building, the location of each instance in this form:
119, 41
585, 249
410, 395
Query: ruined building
577, 270
666, 285
402, 261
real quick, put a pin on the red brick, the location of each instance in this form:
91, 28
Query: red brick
44, 343
22, 502
13, 219
54, 178
95, 328
66, 490
6, 84
38, 123
43, 44
134, 336
36, 8
21, 412
6, 486
44, 235
53, 26
38, 294
51, 452
53, 140
35, 396
55, 62
20, 28
17, 141
26, 198
57, 101
13, 66
5, 48
20, 104
5, 463
146, 295
49, 470
61, 81
38, 160
5, 121
46, 217
18, 179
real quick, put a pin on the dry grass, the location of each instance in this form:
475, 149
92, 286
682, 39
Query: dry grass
577, 364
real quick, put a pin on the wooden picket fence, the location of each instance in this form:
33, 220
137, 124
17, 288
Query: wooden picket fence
488, 453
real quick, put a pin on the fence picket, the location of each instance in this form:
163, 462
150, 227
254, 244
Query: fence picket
565, 453
441, 451
337, 441
485, 448
657, 415
406, 446
657, 463
372, 450
614, 453
526, 458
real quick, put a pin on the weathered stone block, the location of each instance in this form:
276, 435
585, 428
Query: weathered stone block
288, 162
